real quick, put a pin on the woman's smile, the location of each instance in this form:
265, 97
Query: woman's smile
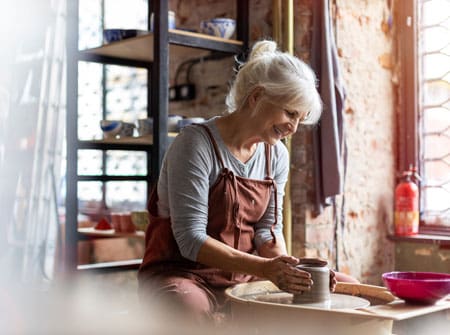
279, 132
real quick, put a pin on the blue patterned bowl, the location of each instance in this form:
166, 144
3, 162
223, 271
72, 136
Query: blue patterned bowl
220, 27
110, 128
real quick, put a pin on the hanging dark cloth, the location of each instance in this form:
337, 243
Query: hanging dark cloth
328, 138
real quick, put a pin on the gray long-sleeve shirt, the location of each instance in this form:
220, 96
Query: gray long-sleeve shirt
189, 170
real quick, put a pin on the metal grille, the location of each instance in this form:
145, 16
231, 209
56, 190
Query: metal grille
434, 110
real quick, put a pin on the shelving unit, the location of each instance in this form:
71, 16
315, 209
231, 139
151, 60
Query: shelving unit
150, 51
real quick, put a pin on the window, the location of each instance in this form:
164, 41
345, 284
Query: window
425, 26
115, 93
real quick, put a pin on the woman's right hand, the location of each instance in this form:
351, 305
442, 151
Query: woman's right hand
282, 271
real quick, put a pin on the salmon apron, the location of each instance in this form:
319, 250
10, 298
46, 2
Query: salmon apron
235, 205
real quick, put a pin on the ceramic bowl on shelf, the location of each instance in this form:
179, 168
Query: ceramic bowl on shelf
220, 27
127, 129
418, 287
145, 126
110, 128
114, 35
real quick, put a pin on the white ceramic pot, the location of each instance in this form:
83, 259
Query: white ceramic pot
220, 27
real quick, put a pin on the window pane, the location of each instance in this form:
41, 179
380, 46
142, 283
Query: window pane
90, 200
119, 196
89, 100
89, 162
134, 17
436, 198
89, 191
126, 93
120, 163
126, 195
90, 13
434, 38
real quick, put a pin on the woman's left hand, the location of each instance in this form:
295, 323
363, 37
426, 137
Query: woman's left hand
333, 281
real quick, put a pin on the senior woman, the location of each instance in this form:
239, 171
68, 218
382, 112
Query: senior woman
216, 215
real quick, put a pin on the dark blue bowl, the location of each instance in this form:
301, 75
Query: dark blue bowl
114, 35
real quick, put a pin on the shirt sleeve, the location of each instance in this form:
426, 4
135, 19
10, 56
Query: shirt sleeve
188, 167
280, 168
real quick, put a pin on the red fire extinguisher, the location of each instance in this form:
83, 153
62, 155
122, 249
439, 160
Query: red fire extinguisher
406, 218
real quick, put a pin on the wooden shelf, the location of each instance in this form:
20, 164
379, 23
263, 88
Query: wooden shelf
140, 48
110, 233
125, 143
203, 41
131, 264
423, 238
106, 178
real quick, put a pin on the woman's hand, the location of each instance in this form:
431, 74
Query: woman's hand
282, 272
333, 281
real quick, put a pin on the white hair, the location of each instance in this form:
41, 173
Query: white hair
285, 79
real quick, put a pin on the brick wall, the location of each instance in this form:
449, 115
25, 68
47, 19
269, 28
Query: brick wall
365, 48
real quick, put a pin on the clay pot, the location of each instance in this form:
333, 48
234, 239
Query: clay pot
115, 220
126, 225
320, 290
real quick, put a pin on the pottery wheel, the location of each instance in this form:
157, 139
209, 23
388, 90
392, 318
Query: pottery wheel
337, 301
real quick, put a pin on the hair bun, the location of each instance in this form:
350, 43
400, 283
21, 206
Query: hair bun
262, 47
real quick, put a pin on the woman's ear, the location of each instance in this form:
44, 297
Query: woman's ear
255, 96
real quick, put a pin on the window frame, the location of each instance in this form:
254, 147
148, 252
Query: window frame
408, 120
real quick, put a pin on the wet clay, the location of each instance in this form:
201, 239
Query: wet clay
320, 290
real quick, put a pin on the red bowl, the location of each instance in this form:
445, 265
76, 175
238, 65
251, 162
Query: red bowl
418, 287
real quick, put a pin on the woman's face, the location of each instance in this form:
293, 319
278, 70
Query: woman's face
277, 121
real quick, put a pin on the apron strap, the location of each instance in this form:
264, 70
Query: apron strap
274, 186
214, 143
268, 160
275, 194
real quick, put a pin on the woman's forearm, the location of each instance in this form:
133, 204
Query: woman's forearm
270, 249
279, 269
218, 255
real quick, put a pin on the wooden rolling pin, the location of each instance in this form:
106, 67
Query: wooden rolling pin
365, 291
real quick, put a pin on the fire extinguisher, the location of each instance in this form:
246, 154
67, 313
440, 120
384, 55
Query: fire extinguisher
406, 218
